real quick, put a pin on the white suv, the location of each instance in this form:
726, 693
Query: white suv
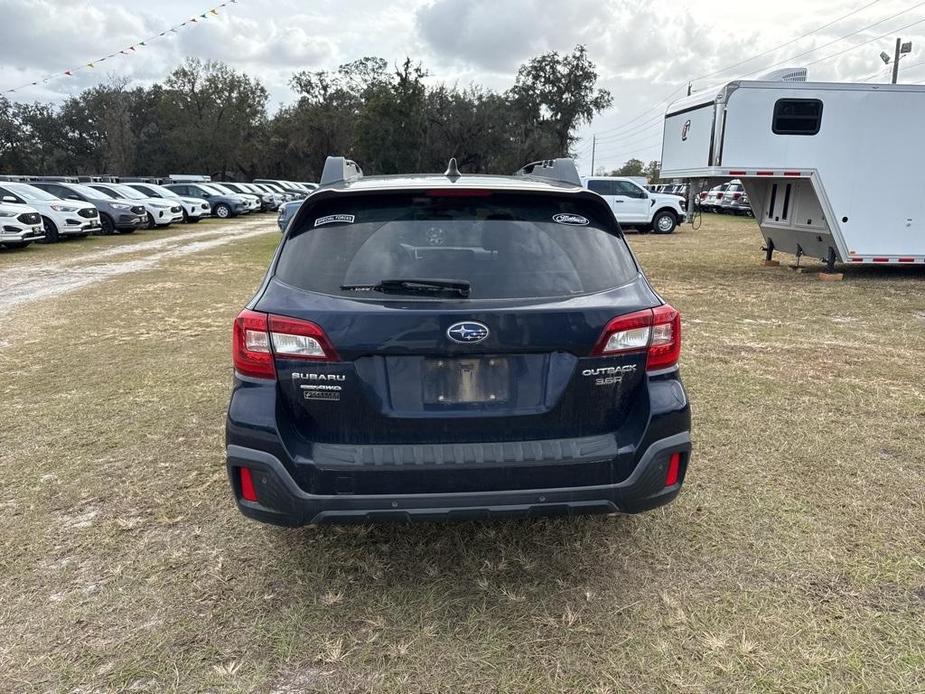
636, 207
19, 226
59, 217
161, 213
194, 209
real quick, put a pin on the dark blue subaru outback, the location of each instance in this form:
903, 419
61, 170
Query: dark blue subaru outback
455, 346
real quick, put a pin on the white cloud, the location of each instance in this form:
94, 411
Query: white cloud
644, 51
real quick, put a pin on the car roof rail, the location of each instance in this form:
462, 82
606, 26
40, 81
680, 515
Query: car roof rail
562, 170
55, 179
340, 170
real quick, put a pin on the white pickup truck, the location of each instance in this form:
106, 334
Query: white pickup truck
636, 207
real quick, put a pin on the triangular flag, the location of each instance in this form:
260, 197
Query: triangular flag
131, 48
90, 65
68, 73
163, 33
215, 12
193, 19
142, 43
204, 15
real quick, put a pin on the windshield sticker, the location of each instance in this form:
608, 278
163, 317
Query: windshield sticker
575, 220
335, 219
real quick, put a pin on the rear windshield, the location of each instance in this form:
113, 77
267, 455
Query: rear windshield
504, 245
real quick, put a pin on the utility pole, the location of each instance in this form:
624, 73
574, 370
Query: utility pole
593, 152
896, 61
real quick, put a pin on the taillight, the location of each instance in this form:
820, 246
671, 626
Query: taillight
736, 196
719, 196
251, 348
665, 348
259, 337
300, 339
657, 332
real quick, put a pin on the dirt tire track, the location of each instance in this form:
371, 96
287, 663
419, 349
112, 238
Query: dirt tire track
20, 285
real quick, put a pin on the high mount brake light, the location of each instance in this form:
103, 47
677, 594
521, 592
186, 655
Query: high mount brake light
259, 337
458, 193
656, 332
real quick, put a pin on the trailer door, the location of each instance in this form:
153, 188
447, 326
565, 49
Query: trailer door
687, 142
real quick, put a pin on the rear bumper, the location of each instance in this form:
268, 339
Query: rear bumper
282, 502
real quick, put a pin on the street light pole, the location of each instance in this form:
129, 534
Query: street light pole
896, 61
593, 152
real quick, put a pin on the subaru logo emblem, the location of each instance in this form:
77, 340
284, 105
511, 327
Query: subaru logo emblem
467, 333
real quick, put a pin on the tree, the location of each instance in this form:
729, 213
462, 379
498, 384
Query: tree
207, 118
558, 93
633, 167
391, 127
213, 114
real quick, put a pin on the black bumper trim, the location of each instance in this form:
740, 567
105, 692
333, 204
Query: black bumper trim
285, 503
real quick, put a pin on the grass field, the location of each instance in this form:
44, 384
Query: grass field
794, 560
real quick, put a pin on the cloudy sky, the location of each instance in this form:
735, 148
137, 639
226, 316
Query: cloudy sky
645, 51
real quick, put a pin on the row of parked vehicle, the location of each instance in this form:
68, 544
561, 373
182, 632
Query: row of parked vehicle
727, 198
52, 208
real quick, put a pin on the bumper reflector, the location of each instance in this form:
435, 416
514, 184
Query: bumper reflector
248, 493
671, 477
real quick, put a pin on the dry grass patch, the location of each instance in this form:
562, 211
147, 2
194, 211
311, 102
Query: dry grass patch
793, 560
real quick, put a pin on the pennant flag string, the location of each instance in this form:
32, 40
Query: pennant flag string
128, 50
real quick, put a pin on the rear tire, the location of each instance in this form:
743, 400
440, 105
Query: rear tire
222, 211
664, 222
51, 231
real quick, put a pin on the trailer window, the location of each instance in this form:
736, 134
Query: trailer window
797, 117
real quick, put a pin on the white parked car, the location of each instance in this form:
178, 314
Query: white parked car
193, 209
161, 212
711, 200
636, 207
252, 201
60, 218
268, 201
20, 225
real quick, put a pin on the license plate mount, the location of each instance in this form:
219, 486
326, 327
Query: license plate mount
466, 381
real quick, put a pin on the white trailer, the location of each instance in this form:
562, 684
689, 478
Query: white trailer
833, 170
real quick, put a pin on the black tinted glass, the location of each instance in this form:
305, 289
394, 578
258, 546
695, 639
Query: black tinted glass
504, 245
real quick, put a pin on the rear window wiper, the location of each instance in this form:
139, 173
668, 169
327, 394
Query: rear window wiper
415, 285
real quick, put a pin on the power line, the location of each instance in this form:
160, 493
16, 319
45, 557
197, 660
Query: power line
787, 60
842, 38
788, 43
875, 38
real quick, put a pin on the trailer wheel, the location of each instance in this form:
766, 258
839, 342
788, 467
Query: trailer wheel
664, 222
